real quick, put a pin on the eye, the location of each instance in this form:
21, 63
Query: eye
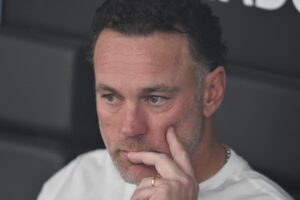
156, 100
110, 99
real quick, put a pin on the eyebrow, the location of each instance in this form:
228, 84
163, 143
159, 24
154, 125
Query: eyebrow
101, 88
160, 88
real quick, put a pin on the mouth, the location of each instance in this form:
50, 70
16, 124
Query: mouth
132, 172
123, 160
131, 150
124, 154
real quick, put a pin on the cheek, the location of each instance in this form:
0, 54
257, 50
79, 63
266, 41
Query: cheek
107, 126
159, 123
189, 124
186, 120
189, 128
105, 118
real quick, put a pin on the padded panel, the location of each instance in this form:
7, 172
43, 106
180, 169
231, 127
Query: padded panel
259, 118
65, 16
48, 87
36, 82
265, 39
25, 166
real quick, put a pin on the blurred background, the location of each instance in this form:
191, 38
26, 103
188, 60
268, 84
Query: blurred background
47, 103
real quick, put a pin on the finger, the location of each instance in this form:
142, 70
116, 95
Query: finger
143, 193
145, 190
147, 182
164, 165
179, 153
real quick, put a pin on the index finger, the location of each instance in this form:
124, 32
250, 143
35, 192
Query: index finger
179, 153
164, 165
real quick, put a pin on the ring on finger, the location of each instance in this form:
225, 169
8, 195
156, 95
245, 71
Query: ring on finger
154, 178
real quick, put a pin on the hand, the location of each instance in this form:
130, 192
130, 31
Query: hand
177, 181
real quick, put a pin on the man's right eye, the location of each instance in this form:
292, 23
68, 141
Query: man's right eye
110, 99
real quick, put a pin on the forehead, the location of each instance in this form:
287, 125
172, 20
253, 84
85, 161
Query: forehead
158, 49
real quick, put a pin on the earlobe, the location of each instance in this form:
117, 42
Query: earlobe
214, 90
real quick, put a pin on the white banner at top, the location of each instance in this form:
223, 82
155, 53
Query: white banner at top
267, 4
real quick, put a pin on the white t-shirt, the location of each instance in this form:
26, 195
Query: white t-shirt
92, 176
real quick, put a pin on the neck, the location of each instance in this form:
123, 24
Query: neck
210, 156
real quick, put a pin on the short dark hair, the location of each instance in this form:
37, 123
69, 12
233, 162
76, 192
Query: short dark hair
192, 18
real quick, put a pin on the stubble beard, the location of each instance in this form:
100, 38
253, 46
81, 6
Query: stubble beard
123, 164
190, 144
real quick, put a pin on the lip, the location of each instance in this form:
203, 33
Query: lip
139, 150
126, 152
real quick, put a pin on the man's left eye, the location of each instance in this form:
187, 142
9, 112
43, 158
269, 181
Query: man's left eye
156, 100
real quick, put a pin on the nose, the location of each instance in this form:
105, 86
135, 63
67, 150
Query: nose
134, 121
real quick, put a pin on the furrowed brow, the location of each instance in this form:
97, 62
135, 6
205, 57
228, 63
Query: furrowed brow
160, 88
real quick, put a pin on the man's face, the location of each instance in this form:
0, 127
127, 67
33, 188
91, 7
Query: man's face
144, 86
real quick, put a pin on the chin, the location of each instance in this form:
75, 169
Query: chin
134, 173
130, 172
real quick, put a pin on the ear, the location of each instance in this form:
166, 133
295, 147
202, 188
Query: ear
214, 90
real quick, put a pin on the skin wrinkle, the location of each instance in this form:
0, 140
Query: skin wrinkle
159, 88
185, 114
200, 70
138, 50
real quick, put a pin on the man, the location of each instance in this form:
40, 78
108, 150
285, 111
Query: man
160, 77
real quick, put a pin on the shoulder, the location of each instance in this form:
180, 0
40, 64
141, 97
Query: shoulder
237, 180
95, 158
88, 162
261, 185
254, 184
80, 173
